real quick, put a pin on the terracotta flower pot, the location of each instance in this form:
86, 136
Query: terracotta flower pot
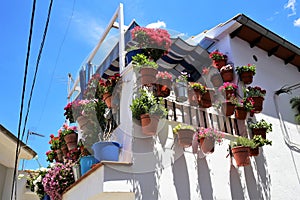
254, 152
219, 63
229, 94
107, 99
258, 104
163, 87
206, 99
228, 108
207, 144
185, 137
227, 75
194, 97
64, 149
59, 155
71, 140
148, 75
247, 77
241, 155
240, 113
259, 131
149, 124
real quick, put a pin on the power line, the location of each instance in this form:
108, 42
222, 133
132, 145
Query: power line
56, 61
22, 98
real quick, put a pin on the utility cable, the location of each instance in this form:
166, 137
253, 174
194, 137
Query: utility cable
56, 61
22, 99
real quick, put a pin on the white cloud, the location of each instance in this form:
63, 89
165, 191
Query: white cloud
158, 24
297, 22
291, 5
88, 28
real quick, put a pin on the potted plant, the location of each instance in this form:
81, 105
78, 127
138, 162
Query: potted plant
257, 94
55, 145
180, 89
295, 104
107, 87
147, 69
185, 134
147, 109
227, 73
51, 154
260, 128
164, 84
69, 135
155, 42
246, 73
194, 93
229, 89
58, 178
207, 137
240, 149
258, 142
218, 58
242, 107
227, 107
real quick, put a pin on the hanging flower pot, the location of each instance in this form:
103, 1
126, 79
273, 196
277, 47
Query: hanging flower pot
149, 124
258, 104
194, 96
207, 144
185, 134
218, 58
219, 63
59, 155
246, 73
148, 75
227, 73
260, 128
64, 149
71, 140
164, 84
259, 131
207, 99
107, 97
254, 151
241, 155
240, 113
228, 108
181, 91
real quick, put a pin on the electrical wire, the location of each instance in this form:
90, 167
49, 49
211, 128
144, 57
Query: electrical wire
56, 61
22, 98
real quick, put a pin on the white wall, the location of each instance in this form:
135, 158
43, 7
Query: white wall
2, 178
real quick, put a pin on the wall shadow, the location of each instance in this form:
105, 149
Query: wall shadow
204, 180
181, 179
235, 184
252, 185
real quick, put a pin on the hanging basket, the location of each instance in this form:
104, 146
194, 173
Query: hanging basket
247, 77
148, 75
258, 104
241, 155
227, 75
228, 108
240, 113
149, 124
207, 144
181, 91
185, 137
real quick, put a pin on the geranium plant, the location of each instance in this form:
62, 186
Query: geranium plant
51, 154
247, 103
65, 130
216, 55
108, 85
156, 42
209, 132
228, 86
262, 124
54, 142
57, 179
164, 75
246, 68
255, 91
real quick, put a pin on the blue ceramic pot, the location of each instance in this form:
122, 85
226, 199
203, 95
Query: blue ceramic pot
106, 151
86, 163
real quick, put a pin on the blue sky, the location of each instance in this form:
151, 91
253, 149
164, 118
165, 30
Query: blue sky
66, 49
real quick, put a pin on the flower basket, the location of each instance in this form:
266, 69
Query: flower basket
71, 140
228, 108
185, 137
207, 144
227, 73
107, 97
241, 155
149, 124
240, 113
